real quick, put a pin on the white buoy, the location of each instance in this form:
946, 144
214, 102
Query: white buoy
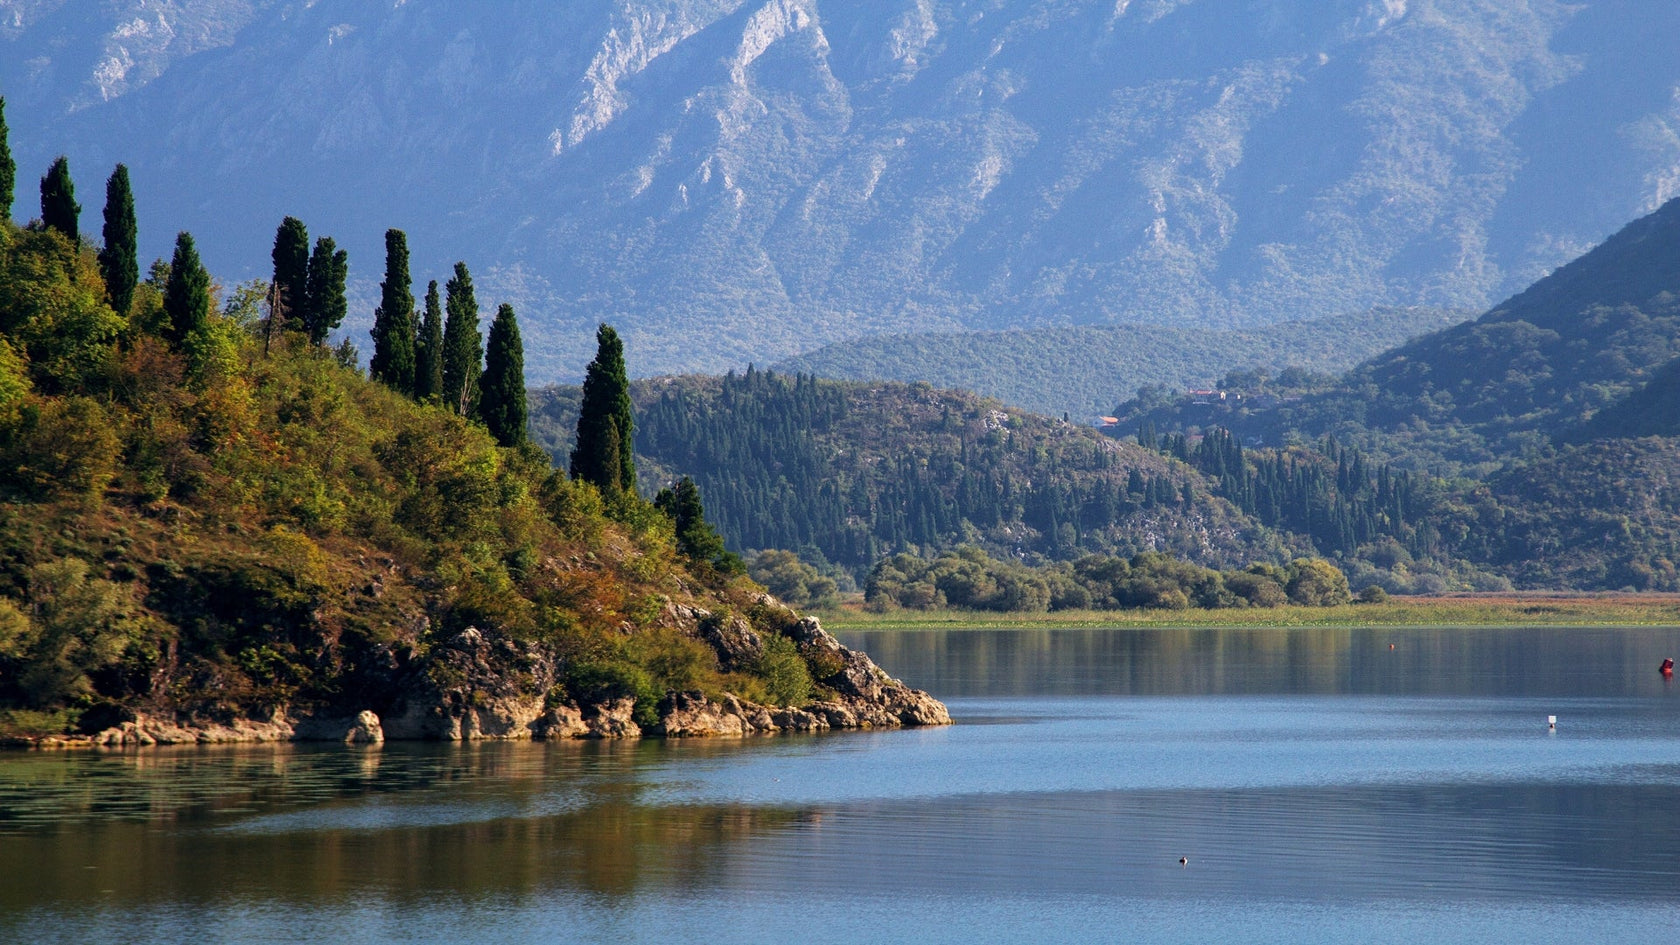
1551, 722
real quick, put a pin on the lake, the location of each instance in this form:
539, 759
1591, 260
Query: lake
1321, 786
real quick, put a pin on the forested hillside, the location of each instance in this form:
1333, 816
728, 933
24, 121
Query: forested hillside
745, 180
208, 518
1475, 395
852, 471
1082, 370
1535, 409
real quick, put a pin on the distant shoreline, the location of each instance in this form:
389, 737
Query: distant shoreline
1513, 609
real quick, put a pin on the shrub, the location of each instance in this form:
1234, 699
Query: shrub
786, 677
1372, 594
80, 626
63, 447
1315, 582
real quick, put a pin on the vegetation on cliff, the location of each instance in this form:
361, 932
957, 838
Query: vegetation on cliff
204, 517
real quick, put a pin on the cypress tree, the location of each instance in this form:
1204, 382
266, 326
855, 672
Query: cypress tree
324, 303
428, 349
291, 271
119, 261
59, 209
606, 420
186, 297
393, 321
463, 346
8, 167
695, 536
502, 403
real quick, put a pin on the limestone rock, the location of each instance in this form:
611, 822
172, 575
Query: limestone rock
506, 717
565, 721
735, 641
690, 714
615, 719
361, 729
366, 730
419, 720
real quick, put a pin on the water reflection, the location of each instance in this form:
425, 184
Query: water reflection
308, 824
1312, 776
1179, 661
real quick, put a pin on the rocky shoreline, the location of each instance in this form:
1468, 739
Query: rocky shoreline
483, 707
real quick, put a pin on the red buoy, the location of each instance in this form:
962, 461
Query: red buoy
1668, 667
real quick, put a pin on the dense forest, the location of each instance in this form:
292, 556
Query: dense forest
206, 513
847, 472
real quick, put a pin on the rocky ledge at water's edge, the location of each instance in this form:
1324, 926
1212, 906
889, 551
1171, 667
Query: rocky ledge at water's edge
485, 705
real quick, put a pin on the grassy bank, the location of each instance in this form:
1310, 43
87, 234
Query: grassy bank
1496, 610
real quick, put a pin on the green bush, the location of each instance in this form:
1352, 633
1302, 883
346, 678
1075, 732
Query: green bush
1315, 582
786, 677
78, 626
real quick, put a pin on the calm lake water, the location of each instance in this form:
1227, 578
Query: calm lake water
1323, 787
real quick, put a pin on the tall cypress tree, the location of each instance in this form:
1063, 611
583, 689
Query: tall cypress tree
393, 321
428, 348
291, 271
606, 420
186, 297
502, 404
463, 346
119, 261
59, 209
8, 167
324, 303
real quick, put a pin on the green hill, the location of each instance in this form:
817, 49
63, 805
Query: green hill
855, 471
1529, 408
1651, 410
1081, 370
217, 534
1474, 395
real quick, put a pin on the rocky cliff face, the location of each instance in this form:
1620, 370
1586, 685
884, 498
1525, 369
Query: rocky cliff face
744, 179
497, 691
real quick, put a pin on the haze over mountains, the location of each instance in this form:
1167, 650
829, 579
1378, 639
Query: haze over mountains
734, 180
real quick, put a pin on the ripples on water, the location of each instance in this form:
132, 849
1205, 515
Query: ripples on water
1322, 788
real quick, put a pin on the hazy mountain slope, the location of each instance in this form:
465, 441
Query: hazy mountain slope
1539, 366
1085, 370
747, 179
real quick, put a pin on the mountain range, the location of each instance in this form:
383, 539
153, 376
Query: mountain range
745, 180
